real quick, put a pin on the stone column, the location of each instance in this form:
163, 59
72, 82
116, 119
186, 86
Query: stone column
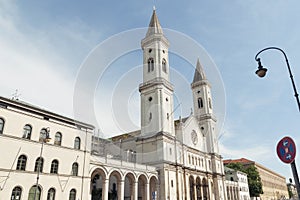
135, 190
121, 190
147, 191
105, 188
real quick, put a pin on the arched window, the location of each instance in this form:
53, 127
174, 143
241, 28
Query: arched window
75, 169
32, 192
39, 163
209, 103
200, 102
51, 194
72, 195
58, 138
77, 143
43, 135
16, 193
1, 125
54, 167
21, 165
150, 64
164, 65
27, 131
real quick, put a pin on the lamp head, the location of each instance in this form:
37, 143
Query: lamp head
261, 71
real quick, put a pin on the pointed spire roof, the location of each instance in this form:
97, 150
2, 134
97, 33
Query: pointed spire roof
154, 26
199, 73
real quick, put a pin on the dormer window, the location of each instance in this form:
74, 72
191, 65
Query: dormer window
150, 64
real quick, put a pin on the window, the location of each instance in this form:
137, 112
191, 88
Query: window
209, 103
77, 143
43, 135
172, 183
32, 193
51, 194
75, 169
54, 167
21, 165
39, 163
150, 64
16, 193
27, 131
58, 137
1, 125
72, 195
164, 65
200, 102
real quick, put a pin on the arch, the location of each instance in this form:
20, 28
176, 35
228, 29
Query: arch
192, 187
205, 189
39, 164
51, 194
98, 178
130, 184
150, 64
27, 129
21, 164
43, 134
200, 102
35, 193
54, 167
72, 194
16, 193
75, 169
153, 184
77, 143
142, 186
2, 122
115, 179
198, 188
164, 65
58, 138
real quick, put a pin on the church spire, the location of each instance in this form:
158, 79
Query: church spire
199, 73
154, 25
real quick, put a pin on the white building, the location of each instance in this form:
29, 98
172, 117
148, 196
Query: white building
166, 159
236, 185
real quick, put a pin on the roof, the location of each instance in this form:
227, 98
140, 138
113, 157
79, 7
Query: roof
240, 160
199, 73
154, 25
21, 105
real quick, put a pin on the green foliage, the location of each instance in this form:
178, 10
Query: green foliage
254, 181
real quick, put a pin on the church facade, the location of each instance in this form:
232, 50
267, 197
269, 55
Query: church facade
166, 159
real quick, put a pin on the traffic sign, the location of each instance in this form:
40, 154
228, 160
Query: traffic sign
286, 150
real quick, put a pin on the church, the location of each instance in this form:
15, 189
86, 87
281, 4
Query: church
184, 152
50, 156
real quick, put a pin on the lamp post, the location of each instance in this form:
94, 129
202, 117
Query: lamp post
261, 72
44, 139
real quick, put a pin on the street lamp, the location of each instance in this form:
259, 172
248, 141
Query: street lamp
261, 71
45, 138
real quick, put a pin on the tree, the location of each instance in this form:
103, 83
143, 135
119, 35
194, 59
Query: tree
254, 181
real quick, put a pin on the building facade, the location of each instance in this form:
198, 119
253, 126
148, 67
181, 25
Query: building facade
273, 184
166, 159
236, 185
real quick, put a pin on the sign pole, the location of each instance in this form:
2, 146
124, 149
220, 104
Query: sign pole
296, 177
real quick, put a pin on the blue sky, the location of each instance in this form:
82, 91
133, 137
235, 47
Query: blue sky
43, 45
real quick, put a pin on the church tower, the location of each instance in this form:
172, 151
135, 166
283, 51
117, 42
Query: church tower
203, 109
156, 90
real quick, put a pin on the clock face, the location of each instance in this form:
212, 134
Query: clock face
194, 137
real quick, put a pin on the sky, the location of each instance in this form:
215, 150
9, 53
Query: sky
47, 49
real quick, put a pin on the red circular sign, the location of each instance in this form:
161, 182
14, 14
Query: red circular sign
286, 150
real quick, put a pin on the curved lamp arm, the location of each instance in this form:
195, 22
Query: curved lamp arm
261, 72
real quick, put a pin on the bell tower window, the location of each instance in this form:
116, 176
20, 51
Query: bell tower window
150, 64
164, 65
200, 103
